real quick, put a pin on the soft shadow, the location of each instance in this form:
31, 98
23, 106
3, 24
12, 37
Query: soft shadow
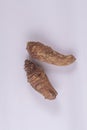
41, 37
51, 107
58, 69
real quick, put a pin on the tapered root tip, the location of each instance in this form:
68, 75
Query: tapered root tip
51, 95
67, 60
71, 59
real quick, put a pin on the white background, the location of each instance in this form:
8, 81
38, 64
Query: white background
61, 24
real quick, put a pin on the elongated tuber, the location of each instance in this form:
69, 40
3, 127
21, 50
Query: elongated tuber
44, 53
39, 81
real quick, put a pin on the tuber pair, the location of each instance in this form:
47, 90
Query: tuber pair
35, 75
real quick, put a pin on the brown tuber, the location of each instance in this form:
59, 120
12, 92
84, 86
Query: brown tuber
44, 53
39, 81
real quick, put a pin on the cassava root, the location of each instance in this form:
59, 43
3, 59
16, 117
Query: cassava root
44, 53
39, 81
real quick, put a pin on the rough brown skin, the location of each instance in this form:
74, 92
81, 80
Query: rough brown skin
44, 53
39, 81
